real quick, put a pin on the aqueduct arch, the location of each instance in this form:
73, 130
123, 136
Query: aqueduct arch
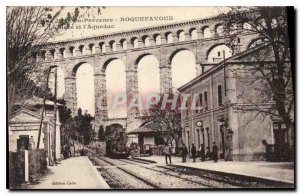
197, 36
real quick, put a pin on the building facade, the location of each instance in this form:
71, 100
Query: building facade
224, 117
25, 123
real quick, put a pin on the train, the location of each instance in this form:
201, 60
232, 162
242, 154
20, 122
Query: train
116, 139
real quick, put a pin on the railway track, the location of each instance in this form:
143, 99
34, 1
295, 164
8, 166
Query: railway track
159, 176
209, 178
166, 171
144, 165
137, 177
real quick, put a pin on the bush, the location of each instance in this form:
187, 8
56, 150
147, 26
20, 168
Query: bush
16, 169
37, 167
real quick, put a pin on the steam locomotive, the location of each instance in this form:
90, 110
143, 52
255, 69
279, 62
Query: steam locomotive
116, 141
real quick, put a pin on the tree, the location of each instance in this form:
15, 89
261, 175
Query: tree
28, 30
101, 134
167, 121
272, 66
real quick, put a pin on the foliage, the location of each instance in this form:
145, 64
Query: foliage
37, 167
270, 24
101, 134
167, 120
28, 29
84, 126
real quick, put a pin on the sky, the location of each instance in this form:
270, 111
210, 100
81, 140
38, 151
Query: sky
183, 64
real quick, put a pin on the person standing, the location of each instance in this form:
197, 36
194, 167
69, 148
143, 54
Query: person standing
167, 152
193, 151
228, 156
202, 153
184, 153
215, 152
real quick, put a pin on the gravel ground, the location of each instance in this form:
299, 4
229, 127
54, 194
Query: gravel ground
116, 178
158, 178
166, 177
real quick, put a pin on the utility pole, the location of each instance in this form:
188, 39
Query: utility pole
43, 109
55, 110
225, 88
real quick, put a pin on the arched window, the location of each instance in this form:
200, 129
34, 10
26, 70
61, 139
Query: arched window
92, 48
261, 24
169, 38
72, 53
193, 34
113, 46
157, 39
219, 29
247, 26
102, 47
146, 41
81, 49
233, 28
181, 36
135, 43
124, 44
62, 52
274, 23
206, 32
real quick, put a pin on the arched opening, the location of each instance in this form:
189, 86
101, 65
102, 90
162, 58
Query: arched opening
193, 34
85, 87
206, 32
102, 47
72, 53
157, 39
113, 46
62, 52
124, 44
115, 86
92, 48
81, 49
255, 43
181, 36
183, 68
148, 76
247, 26
52, 51
261, 24
169, 37
146, 40
60, 86
233, 28
215, 54
135, 42
43, 54
219, 29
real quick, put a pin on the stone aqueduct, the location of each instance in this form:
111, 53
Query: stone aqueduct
198, 36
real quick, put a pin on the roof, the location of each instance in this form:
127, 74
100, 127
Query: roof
242, 57
27, 116
145, 129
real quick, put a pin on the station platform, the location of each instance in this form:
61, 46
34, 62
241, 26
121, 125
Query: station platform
276, 171
72, 173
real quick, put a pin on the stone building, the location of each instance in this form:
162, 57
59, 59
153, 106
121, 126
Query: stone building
222, 110
26, 122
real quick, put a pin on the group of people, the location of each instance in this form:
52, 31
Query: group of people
203, 154
214, 154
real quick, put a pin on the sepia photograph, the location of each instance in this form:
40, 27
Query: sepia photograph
150, 98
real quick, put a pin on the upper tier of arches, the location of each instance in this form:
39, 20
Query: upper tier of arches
140, 40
